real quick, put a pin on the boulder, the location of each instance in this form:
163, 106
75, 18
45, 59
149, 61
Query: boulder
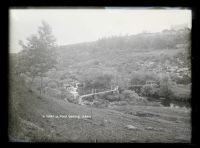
131, 127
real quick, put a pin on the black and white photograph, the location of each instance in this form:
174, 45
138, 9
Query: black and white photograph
100, 75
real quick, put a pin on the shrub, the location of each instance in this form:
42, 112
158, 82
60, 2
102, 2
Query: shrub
100, 103
72, 100
98, 82
112, 98
129, 95
140, 101
89, 98
181, 92
166, 85
184, 80
150, 91
120, 89
140, 78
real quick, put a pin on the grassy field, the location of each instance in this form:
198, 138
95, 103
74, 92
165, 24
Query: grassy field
117, 124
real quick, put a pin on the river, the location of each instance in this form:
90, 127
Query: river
172, 103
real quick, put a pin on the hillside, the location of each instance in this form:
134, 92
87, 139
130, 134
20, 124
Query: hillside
164, 52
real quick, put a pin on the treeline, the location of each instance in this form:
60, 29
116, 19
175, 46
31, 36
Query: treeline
167, 39
162, 40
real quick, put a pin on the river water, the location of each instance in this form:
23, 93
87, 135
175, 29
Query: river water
172, 103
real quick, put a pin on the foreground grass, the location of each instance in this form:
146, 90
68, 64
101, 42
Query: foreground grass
151, 124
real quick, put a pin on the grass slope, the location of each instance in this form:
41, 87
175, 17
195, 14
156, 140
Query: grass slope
153, 124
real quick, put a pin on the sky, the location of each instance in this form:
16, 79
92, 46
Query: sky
82, 25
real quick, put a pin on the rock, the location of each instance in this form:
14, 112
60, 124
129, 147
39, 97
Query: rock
131, 127
149, 128
155, 129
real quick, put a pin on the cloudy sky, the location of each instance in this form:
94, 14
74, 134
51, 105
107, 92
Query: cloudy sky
82, 25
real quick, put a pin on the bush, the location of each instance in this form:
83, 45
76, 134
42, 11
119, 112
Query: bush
150, 91
181, 92
184, 80
89, 98
129, 95
98, 82
100, 103
72, 100
166, 85
112, 98
140, 78
120, 89
140, 101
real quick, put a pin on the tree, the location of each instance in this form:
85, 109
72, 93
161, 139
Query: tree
38, 55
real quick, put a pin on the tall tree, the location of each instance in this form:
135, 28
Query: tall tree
38, 54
